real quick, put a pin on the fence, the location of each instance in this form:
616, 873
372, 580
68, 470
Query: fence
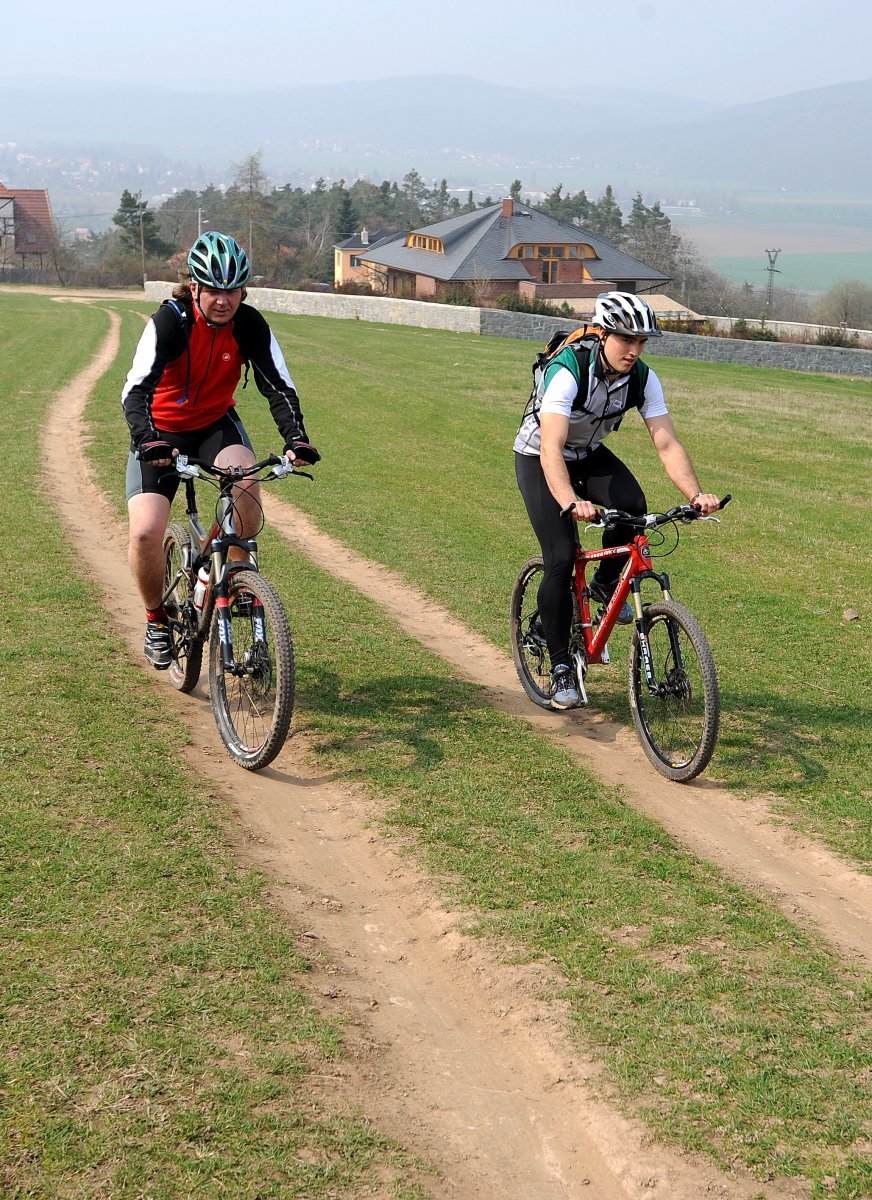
530, 327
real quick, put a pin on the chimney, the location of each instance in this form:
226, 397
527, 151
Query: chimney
508, 207
364, 237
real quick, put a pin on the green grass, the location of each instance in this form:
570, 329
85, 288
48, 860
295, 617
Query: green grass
798, 272
417, 427
714, 1018
155, 1034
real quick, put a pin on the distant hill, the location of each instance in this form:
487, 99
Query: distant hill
454, 126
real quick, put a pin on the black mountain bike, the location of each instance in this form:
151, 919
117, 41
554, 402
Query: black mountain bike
229, 604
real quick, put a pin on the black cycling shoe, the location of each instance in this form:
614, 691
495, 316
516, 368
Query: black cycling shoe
158, 645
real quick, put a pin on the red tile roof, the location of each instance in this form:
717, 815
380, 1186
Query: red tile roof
34, 223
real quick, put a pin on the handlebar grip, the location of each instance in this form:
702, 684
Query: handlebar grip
726, 500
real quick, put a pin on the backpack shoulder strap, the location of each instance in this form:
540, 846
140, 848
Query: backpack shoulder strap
182, 313
179, 309
637, 383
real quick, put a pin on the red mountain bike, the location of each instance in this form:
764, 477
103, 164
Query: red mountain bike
209, 597
673, 684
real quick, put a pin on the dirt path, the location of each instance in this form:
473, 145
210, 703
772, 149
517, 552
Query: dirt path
743, 837
452, 1052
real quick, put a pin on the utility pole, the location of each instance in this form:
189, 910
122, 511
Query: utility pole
773, 271
201, 216
142, 241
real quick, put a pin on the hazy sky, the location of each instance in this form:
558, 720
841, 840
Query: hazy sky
720, 50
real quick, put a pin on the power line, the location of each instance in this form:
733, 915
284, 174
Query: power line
773, 271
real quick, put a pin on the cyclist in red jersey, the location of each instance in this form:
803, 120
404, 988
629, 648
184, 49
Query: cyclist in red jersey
179, 398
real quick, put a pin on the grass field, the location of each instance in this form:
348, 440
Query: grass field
798, 272
822, 240
719, 1023
155, 1034
426, 443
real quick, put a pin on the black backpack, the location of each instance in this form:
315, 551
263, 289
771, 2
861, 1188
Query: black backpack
584, 344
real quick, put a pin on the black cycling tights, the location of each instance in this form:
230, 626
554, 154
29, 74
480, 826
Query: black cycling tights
602, 479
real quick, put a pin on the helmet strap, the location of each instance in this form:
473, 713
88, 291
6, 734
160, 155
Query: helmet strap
211, 324
610, 370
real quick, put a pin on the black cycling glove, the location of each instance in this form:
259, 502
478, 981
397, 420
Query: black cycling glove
303, 450
149, 451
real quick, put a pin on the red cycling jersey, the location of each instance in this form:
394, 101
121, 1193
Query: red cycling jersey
193, 395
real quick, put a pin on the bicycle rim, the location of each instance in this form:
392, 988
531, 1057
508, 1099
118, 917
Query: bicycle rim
677, 721
253, 704
184, 671
525, 631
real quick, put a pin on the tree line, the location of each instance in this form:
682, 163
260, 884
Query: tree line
289, 233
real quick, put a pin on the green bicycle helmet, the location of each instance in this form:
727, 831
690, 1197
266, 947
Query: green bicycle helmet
216, 260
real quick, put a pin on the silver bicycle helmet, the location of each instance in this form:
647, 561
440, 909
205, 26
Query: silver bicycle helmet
216, 260
625, 313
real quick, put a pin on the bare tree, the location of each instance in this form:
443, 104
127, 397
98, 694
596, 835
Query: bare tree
848, 305
481, 287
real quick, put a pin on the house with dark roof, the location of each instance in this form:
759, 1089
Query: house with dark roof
27, 228
504, 248
347, 267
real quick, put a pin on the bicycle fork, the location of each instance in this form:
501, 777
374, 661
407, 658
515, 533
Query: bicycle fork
225, 634
658, 687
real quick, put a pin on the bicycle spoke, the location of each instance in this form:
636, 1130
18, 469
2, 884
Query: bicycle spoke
253, 699
527, 636
187, 647
676, 713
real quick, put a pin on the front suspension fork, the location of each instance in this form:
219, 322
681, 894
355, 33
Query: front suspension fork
225, 632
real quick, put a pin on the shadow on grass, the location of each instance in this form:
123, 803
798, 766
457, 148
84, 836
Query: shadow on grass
409, 720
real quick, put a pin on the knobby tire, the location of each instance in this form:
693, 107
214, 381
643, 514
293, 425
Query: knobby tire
528, 642
253, 710
184, 671
677, 726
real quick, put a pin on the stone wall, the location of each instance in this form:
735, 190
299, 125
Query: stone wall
530, 327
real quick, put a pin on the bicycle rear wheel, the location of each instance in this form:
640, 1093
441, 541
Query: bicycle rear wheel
676, 717
527, 636
254, 698
184, 670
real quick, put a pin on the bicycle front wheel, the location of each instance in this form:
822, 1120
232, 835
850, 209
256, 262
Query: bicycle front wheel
527, 636
252, 696
676, 714
184, 670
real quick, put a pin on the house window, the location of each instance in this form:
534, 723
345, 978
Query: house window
418, 241
355, 261
549, 270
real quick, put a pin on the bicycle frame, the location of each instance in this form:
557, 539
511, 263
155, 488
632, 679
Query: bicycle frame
637, 568
213, 546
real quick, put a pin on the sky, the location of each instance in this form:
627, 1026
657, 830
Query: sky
723, 51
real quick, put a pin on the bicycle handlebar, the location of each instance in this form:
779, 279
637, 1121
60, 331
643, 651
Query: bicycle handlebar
190, 468
681, 512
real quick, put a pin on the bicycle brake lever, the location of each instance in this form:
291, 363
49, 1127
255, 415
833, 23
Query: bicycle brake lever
186, 469
284, 466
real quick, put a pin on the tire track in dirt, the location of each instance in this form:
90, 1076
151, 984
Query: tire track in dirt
453, 1053
744, 838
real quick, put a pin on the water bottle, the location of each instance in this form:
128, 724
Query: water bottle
200, 587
